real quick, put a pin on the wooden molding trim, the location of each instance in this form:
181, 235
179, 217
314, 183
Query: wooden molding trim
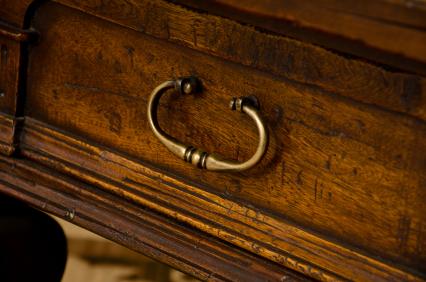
241, 225
16, 34
7, 134
132, 226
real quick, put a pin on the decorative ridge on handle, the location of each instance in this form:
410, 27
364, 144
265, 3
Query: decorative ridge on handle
189, 85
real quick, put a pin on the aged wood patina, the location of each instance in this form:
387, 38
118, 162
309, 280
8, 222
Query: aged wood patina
341, 191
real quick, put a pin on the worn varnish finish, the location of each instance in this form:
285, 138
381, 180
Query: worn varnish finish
340, 194
363, 28
281, 56
241, 224
313, 163
140, 229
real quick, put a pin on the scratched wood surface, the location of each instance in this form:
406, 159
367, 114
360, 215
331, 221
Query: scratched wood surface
140, 229
347, 155
281, 56
240, 224
363, 28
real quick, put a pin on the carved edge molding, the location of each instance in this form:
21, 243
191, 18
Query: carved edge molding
240, 225
139, 229
8, 125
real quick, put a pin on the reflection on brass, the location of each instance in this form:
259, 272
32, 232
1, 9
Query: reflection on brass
248, 105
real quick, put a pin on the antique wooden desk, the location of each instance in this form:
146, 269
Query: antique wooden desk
340, 189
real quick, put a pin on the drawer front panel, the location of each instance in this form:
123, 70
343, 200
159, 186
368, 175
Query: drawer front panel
347, 171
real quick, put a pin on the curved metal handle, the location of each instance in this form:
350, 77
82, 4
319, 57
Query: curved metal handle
197, 157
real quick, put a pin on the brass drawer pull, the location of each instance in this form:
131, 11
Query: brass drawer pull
197, 157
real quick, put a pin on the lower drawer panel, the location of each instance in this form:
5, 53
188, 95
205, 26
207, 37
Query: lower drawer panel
341, 170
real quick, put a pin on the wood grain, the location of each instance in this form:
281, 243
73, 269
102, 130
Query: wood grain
7, 134
135, 227
243, 225
340, 194
340, 168
389, 32
277, 55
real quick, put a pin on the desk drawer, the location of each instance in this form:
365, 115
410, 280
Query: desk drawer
336, 169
